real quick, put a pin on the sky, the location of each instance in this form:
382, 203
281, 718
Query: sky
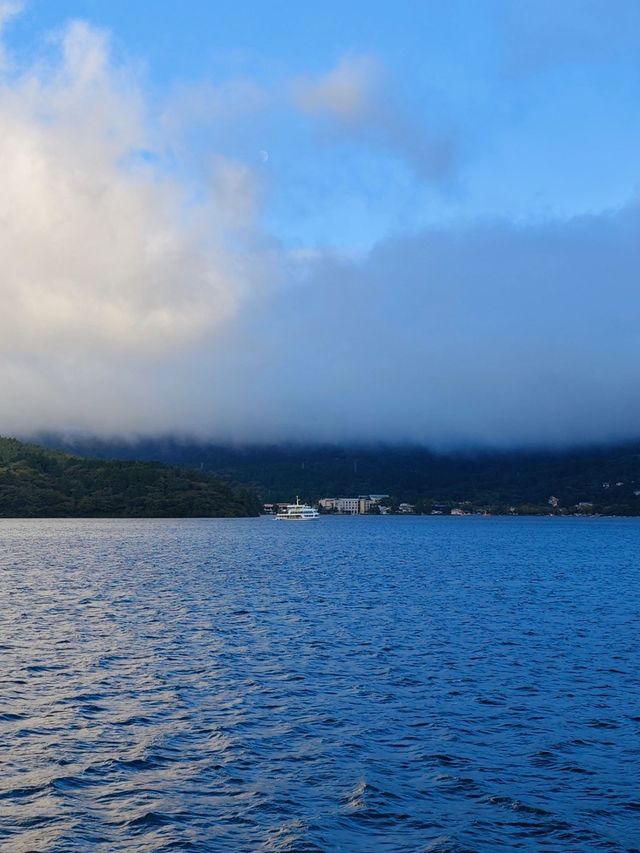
277, 221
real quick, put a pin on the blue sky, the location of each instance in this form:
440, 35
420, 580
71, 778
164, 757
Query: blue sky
435, 202
539, 100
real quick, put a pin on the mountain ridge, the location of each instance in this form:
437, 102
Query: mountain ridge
38, 482
606, 476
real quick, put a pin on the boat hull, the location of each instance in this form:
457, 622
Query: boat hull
296, 517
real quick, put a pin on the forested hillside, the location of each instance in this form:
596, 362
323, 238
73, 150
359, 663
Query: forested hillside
35, 482
607, 477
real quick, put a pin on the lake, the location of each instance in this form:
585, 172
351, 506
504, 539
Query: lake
347, 684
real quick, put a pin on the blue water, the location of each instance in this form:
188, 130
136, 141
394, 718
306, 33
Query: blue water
350, 684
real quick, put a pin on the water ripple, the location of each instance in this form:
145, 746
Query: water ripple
404, 684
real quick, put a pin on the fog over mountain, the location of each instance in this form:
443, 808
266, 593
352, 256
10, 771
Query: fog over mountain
145, 295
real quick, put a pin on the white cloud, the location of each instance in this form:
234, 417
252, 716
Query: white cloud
346, 93
354, 101
133, 301
103, 249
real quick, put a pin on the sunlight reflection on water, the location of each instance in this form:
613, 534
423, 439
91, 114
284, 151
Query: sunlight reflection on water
394, 684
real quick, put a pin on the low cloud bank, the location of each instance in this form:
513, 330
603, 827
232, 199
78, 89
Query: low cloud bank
491, 335
136, 303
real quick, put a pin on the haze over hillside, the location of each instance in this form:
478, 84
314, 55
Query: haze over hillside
606, 478
430, 237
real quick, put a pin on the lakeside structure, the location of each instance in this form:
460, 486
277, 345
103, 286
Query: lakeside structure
361, 505
379, 504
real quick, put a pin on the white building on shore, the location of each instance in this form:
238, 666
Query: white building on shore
351, 506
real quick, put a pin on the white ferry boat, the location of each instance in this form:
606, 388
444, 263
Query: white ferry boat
297, 512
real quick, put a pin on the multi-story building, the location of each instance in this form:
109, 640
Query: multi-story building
328, 504
351, 506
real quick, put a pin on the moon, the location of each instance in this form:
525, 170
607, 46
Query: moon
264, 155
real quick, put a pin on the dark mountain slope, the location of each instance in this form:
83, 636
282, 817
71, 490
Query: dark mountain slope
496, 479
36, 482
